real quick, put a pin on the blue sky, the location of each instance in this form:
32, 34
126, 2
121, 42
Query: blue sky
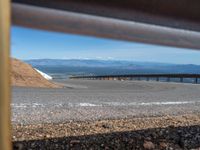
35, 44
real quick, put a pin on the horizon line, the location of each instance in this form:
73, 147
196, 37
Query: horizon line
127, 60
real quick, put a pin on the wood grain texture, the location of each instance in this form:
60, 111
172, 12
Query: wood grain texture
79, 23
173, 13
5, 123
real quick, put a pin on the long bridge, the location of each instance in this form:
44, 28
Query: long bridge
157, 77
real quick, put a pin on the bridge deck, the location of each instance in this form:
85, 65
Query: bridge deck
139, 76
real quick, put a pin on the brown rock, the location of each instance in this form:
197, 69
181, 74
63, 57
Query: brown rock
48, 136
148, 145
163, 145
74, 141
107, 126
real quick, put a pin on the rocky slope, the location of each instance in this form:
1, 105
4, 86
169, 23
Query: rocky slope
23, 74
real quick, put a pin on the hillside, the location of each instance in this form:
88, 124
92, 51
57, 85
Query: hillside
23, 74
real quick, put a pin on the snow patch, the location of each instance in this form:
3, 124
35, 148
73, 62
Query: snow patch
46, 76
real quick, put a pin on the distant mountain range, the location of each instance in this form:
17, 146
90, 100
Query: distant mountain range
105, 67
91, 63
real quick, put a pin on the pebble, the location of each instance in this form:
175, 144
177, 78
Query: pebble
163, 145
74, 141
148, 145
107, 126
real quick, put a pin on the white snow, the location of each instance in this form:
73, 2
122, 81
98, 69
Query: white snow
46, 76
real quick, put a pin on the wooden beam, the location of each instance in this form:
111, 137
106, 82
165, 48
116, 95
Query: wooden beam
5, 123
107, 27
171, 13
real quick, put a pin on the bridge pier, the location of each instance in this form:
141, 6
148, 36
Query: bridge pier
157, 78
196, 80
181, 79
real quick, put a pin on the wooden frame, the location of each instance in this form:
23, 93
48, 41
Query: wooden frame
110, 19
5, 123
176, 28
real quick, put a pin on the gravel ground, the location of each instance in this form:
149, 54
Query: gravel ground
92, 100
107, 115
169, 132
